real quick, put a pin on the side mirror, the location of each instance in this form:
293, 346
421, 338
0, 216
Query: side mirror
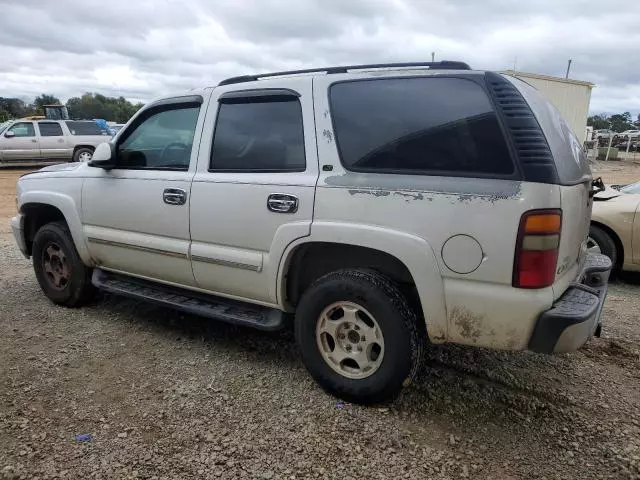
9, 134
103, 156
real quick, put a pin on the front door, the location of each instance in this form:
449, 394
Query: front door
19, 143
53, 144
136, 216
254, 187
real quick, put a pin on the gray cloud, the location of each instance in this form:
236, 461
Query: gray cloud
142, 48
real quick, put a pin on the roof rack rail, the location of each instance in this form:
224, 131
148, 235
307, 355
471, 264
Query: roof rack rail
442, 65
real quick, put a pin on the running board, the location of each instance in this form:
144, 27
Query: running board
231, 311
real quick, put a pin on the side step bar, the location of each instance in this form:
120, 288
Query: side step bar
231, 311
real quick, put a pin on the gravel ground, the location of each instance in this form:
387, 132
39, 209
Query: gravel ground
165, 396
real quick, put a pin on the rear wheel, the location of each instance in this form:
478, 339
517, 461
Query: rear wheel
358, 336
62, 275
600, 241
82, 155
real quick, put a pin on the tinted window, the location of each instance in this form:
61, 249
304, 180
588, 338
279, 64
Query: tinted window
422, 125
259, 136
23, 129
84, 128
163, 140
50, 129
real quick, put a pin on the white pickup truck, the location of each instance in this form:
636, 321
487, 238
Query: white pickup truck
49, 140
385, 206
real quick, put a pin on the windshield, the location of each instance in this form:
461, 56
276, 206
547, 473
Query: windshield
3, 126
631, 188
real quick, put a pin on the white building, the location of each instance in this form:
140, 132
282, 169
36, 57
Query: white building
570, 97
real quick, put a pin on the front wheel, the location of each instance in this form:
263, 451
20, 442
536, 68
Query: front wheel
358, 336
62, 275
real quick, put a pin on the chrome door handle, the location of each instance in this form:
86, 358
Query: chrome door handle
282, 203
174, 196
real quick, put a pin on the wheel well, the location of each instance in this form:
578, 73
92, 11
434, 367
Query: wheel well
614, 236
311, 261
37, 215
78, 147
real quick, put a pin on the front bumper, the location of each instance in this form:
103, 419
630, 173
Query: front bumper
17, 227
575, 316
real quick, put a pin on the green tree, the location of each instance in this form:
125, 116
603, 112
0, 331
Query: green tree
599, 122
621, 122
95, 105
14, 107
44, 99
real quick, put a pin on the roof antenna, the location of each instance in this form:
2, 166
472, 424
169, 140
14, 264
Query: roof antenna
433, 56
568, 68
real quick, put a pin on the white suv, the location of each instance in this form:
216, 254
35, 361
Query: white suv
49, 140
386, 206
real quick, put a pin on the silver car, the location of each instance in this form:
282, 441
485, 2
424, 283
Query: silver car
50, 140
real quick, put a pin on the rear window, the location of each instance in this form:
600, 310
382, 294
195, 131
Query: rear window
440, 126
84, 128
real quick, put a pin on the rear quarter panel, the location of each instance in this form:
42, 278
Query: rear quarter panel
478, 307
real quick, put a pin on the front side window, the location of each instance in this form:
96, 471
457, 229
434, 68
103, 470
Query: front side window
162, 141
50, 129
22, 129
259, 135
435, 125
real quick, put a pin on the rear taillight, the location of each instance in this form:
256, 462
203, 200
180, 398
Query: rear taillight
537, 249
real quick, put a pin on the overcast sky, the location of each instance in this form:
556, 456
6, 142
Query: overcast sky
141, 49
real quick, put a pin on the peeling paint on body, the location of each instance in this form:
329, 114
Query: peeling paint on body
411, 196
375, 193
463, 189
326, 133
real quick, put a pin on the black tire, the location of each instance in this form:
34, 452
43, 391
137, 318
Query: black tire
77, 288
81, 151
403, 339
605, 242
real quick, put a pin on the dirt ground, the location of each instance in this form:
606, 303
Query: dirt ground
169, 396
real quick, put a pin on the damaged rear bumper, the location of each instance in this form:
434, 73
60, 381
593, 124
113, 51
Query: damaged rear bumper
575, 316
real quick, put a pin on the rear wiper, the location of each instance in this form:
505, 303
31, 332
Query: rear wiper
597, 186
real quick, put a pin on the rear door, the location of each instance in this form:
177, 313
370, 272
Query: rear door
253, 192
19, 142
53, 143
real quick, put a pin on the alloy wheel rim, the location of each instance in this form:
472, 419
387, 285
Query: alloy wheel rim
85, 156
350, 340
56, 266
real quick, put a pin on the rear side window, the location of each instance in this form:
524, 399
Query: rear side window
440, 126
259, 136
50, 129
84, 128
